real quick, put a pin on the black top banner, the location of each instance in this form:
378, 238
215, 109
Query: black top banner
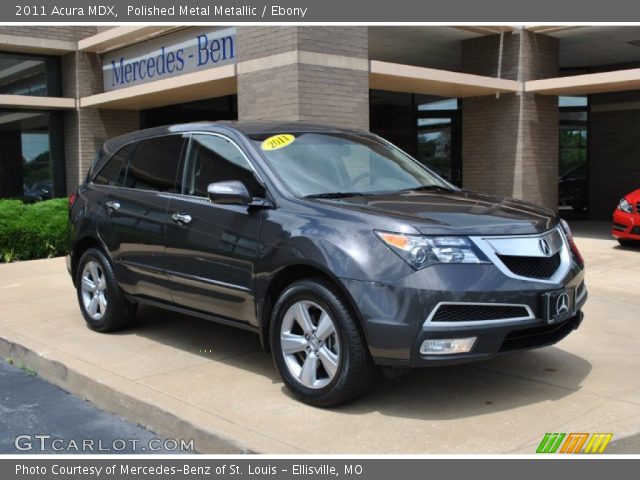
307, 11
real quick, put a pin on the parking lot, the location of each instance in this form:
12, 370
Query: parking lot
182, 376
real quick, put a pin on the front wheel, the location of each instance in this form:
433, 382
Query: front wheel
628, 243
101, 300
317, 346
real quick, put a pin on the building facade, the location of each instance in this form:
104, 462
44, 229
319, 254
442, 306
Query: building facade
545, 114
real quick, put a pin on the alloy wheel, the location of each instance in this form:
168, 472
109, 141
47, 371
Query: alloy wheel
310, 344
94, 290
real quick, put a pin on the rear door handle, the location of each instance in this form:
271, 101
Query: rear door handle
181, 218
112, 205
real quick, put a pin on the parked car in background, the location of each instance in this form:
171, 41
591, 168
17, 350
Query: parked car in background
626, 220
572, 188
37, 191
341, 251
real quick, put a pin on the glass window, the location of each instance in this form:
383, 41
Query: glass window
564, 101
154, 164
29, 75
114, 170
216, 159
573, 154
428, 103
31, 155
337, 163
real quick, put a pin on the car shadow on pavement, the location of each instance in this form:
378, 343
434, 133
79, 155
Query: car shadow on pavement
591, 229
507, 382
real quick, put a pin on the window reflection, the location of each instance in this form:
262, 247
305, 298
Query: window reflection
28, 166
29, 75
573, 144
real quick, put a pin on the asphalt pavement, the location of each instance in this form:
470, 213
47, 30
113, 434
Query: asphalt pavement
37, 417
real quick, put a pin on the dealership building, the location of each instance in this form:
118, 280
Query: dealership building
549, 114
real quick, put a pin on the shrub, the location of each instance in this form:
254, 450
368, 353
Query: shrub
37, 230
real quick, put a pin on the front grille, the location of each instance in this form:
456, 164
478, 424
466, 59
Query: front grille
580, 290
474, 312
635, 231
538, 336
534, 267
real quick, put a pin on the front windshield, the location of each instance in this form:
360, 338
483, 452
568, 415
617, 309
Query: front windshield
317, 164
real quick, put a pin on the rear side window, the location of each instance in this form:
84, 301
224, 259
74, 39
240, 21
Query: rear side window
216, 159
154, 164
114, 170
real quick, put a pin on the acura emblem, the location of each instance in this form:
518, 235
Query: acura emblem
562, 304
544, 247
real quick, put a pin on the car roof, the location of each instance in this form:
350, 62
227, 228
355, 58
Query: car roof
246, 128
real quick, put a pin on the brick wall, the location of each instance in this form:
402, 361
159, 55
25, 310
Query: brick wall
81, 74
260, 98
69, 33
315, 93
481, 56
510, 143
85, 131
87, 128
335, 96
258, 42
347, 41
614, 143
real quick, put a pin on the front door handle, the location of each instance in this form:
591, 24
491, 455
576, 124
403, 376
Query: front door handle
181, 218
112, 205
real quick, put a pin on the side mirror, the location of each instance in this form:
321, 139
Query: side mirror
230, 193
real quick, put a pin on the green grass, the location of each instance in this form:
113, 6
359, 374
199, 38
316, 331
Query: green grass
27, 369
30, 231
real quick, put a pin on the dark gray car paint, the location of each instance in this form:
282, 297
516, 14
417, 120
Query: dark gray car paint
336, 237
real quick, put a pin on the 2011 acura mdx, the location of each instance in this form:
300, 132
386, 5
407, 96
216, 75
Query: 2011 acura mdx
342, 252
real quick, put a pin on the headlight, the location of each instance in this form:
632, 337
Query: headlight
625, 206
421, 251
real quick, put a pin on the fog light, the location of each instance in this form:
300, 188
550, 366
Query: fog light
447, 346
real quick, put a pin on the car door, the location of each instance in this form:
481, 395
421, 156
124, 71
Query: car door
135, 228
212, 248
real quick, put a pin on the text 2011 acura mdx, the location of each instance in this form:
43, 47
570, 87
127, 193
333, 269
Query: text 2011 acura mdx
340, 250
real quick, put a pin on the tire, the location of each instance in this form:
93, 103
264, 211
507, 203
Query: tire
628, 243
102, 303
324, 364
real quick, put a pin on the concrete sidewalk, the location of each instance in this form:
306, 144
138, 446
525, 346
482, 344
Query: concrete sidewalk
187, 378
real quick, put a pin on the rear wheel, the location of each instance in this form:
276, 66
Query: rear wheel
317, 346
101, 300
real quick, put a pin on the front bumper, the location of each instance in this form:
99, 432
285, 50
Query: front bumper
396, 318
626, 226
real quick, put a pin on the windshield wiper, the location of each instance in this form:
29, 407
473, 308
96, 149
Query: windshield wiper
336, 195
425, 188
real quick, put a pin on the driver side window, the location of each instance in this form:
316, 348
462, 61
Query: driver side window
212, 159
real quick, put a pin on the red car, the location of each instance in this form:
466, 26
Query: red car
626, 219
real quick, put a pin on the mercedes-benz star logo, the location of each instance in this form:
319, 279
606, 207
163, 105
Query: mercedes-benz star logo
544, 247
562, 304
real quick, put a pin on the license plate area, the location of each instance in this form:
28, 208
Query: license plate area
559, 305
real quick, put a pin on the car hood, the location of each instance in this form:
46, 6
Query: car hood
633, 197
452, 213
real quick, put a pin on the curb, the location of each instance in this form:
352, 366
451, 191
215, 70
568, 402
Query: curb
135, 410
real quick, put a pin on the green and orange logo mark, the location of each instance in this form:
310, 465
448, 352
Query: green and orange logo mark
574, 442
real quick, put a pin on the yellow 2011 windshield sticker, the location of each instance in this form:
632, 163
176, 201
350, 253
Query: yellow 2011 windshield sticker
277, 142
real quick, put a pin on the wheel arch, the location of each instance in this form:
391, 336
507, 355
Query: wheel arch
287, 276
80, 246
